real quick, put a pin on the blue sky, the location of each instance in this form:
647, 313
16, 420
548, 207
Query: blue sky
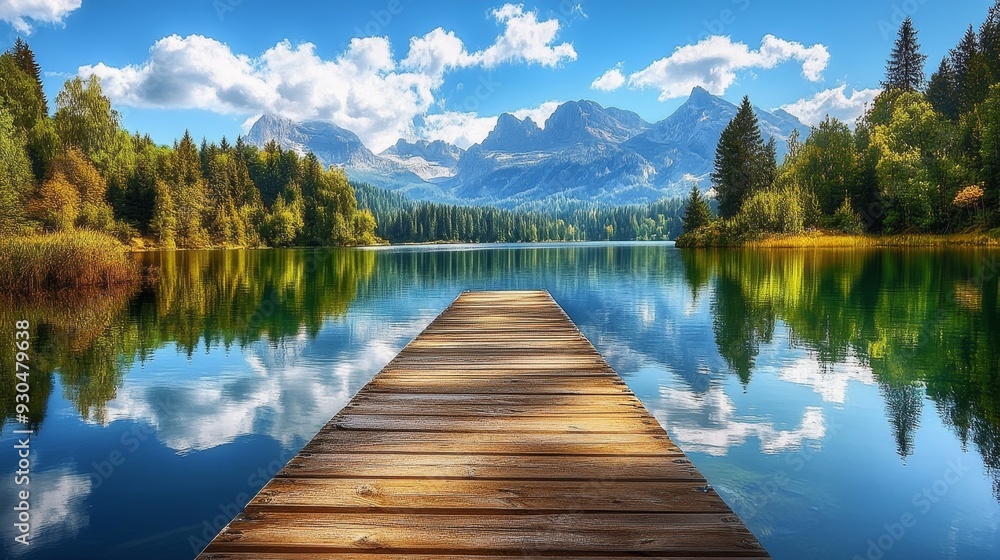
445, 69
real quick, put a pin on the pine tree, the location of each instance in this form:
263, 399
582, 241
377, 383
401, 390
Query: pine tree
189, 197
972, 72
25, 59
697, 212
989, 40
942, 91
19, 94
905, 67
990, 149
740, 161
769, 164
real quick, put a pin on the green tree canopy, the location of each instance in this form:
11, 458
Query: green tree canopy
16, 180
84, 117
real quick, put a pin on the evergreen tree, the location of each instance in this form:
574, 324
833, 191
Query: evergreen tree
697, 212
972, 72
769, 164
990, 151
19, 94
188, 191
905, 68
25, 59
741, 161
942, 90
989, 40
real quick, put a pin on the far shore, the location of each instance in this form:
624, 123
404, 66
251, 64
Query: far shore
833, 240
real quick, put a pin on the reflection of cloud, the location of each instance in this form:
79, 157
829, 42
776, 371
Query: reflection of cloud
280, 389
56, 500
708, 423
829, 382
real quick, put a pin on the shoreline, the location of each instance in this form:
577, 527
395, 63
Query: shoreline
821, 240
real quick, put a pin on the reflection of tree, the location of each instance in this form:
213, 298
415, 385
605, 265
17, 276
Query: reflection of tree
740, 327
742, 320
918, 318
697, 270
903, 405
214, 298
66, 327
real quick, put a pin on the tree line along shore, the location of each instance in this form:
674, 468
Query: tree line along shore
920, 167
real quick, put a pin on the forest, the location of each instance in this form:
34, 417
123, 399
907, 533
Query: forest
923, 158
400, 220
79, 170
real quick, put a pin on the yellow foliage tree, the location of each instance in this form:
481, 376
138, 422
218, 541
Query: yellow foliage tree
56, 203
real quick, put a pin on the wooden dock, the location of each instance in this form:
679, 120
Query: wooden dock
498, 432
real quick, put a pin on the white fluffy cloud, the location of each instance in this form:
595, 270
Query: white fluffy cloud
464, 129
610, 80
538, 114
713, 64
364, 89
525, 39
833, 102
18, 12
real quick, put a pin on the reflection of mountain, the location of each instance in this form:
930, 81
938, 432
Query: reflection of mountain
924, 323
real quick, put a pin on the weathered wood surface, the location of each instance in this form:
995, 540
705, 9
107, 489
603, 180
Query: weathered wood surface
498, 432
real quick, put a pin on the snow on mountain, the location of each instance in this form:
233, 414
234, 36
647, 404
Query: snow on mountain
584, 152
431, 161
683, 145
334, 145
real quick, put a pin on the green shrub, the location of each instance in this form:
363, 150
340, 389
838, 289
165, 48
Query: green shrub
771, 211
846, 220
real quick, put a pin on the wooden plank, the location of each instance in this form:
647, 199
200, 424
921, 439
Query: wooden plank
676, 533
500, 467
424, 423
490, 443
499, 431
493, 496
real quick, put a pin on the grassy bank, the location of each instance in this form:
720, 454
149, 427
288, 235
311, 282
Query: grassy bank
709, 237
64, 260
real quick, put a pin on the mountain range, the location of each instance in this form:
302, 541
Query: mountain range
583, 152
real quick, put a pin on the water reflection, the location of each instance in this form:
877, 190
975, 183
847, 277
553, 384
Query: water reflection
755, 361
922, 322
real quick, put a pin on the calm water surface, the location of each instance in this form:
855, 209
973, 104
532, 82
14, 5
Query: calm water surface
844, 403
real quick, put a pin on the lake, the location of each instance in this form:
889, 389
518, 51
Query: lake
845, 403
